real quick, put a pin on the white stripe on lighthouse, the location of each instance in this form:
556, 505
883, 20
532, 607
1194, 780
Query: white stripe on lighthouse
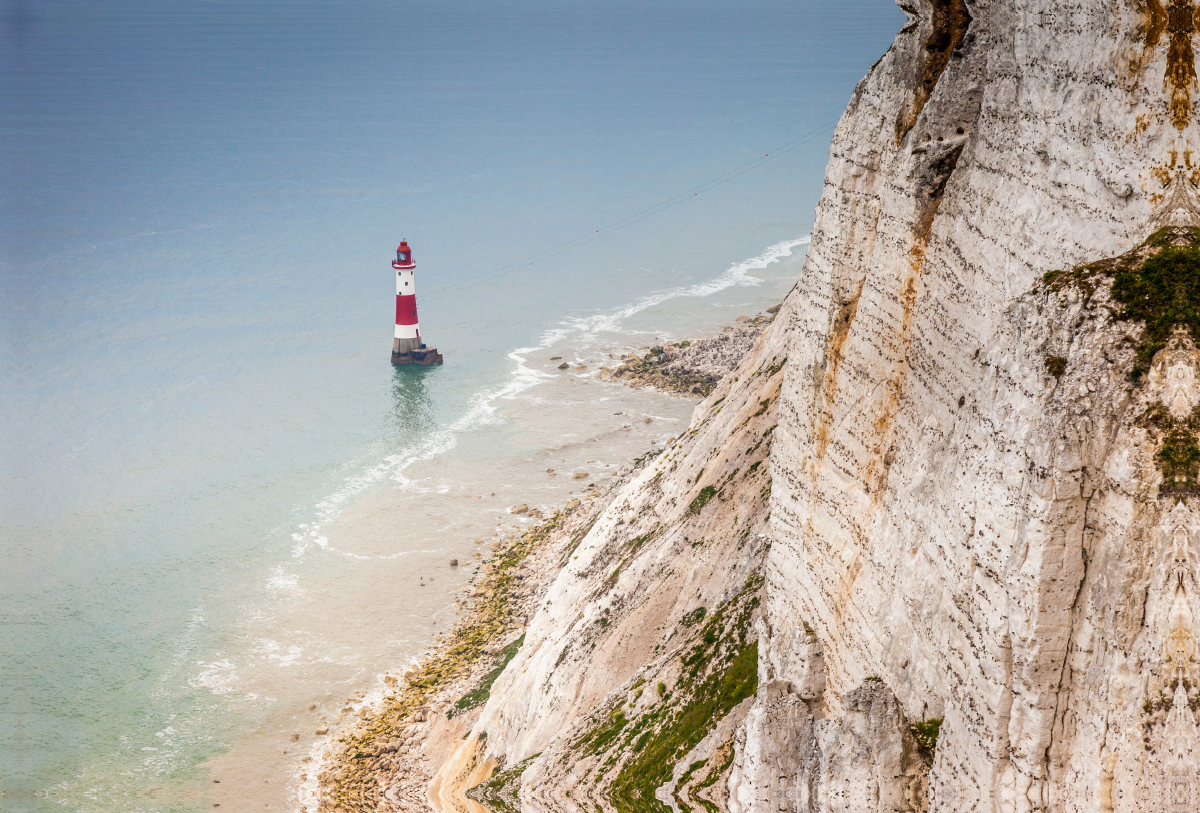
405, 283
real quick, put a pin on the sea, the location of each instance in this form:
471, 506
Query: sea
220, 504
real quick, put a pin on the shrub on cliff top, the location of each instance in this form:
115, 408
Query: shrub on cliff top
1163, 292
926, 734
1179, 460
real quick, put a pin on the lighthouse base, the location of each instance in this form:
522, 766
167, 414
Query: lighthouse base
425, 356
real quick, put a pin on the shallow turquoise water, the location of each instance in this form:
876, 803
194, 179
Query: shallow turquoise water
201, 429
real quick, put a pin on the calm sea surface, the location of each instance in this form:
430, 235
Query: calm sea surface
219, 500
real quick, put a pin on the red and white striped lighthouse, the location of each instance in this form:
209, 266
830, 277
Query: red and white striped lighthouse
407, 347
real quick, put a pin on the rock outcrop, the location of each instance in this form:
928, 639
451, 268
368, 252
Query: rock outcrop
691, 367
950, 500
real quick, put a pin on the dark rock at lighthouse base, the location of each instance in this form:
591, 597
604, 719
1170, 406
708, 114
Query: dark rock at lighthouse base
426, 356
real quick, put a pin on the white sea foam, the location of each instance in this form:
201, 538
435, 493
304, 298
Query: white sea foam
737, 274
278, 580
216, 676
609, 320
277, 652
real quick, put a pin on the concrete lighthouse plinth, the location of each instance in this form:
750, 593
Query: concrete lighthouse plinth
407, 347
404, 352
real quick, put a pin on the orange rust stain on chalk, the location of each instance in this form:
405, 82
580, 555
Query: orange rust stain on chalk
1178, 19
1181, 60
839, 330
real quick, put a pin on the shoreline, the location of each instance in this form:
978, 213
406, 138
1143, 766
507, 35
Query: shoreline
449, 683
408, 726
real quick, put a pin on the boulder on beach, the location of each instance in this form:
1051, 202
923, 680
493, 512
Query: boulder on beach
582, 475
518, 509
453, 563
563, 366
322, 730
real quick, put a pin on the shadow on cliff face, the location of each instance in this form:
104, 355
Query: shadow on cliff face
948, 26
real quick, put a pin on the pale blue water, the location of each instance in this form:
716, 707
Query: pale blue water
199, 204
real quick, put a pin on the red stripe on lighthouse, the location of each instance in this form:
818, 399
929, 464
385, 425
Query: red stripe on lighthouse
406, 310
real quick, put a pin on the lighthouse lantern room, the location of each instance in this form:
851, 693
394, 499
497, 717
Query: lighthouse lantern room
407, 347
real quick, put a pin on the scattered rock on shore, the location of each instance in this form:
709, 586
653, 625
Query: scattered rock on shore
691, 367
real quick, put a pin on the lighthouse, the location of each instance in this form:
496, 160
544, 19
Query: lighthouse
407, 347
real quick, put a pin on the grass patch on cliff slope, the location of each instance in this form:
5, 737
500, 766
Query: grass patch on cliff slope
926, 735
1178, 455
701, 499
499, 793
718, 669
480, 694
1157, 284
712, 699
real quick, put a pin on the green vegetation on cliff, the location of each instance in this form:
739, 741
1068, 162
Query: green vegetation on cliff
480, 694
1158, 285
1164, 293
717, 669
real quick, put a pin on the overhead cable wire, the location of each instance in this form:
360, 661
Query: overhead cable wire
636, 217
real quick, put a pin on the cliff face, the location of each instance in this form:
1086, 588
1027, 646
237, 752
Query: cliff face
968, 581
948, 514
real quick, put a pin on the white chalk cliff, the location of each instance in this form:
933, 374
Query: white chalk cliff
944, 486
